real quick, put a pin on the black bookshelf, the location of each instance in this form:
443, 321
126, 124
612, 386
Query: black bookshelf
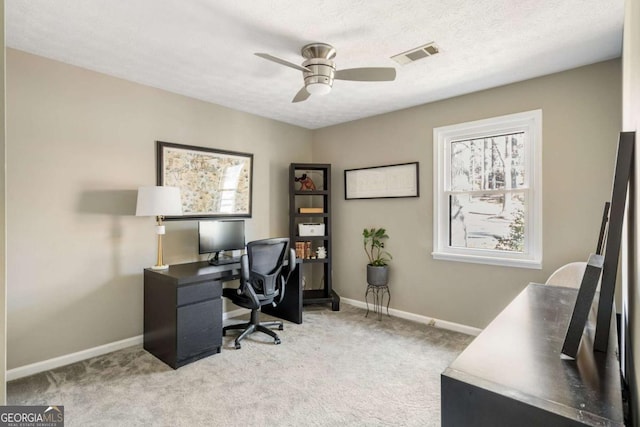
317, 290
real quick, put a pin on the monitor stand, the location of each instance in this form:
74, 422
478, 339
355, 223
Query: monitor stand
216, 260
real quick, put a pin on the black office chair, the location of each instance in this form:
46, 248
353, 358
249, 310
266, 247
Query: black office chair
261, 282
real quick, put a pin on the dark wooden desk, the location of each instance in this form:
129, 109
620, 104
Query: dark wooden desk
512, 373
183, 309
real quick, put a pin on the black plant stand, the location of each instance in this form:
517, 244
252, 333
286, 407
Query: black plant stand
378, 293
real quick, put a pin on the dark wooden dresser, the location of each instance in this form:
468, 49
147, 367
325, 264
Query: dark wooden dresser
512, 373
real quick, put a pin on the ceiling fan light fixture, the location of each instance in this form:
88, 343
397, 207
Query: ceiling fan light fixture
318, 88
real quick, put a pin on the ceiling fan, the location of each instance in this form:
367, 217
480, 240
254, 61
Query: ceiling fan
319, 70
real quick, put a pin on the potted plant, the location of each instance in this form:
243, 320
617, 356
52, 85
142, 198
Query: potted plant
377, 269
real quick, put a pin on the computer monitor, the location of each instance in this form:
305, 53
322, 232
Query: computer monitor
222, 235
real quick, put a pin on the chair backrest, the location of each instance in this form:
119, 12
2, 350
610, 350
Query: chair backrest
266, 258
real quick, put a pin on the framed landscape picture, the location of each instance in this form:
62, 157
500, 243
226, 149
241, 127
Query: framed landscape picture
213, 183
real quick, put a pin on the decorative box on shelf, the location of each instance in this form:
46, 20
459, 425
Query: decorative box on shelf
309, 229
310, 210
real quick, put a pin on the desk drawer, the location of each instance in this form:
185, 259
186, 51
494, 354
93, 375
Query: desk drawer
199, 328
199, 292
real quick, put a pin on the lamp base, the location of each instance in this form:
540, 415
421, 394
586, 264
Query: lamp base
160, 267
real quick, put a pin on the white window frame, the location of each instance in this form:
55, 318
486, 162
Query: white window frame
529, 122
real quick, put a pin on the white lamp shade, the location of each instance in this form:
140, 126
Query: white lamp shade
158, 201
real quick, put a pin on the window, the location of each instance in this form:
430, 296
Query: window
487, 189
229, 188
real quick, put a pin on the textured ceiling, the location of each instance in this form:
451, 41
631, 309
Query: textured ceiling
204, 48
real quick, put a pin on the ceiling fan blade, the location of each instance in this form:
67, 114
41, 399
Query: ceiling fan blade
282, 62
367, 74
302, 95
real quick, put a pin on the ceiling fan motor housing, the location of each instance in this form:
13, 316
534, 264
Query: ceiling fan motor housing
321, 71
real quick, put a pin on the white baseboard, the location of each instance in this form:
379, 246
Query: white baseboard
56, 362
67, 359
443, 324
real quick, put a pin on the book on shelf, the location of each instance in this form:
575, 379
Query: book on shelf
310, 210
307, 250
303, 250
299, 249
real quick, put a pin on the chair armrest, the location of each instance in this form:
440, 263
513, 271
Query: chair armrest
244, 269
292, 261
245, 285
291, 267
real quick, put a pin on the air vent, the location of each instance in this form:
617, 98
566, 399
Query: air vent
416, 54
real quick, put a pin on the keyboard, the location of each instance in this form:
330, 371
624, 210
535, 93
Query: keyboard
224, 261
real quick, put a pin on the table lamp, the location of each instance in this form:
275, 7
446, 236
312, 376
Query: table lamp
159, 202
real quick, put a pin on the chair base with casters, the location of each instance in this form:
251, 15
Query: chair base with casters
254, 325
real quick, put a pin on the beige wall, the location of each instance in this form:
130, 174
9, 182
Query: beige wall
631, 262
3, 288
79, 145
581, 121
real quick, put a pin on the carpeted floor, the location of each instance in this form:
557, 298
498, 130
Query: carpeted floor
337, 368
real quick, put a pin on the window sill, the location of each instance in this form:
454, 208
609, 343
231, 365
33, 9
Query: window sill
476, 259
